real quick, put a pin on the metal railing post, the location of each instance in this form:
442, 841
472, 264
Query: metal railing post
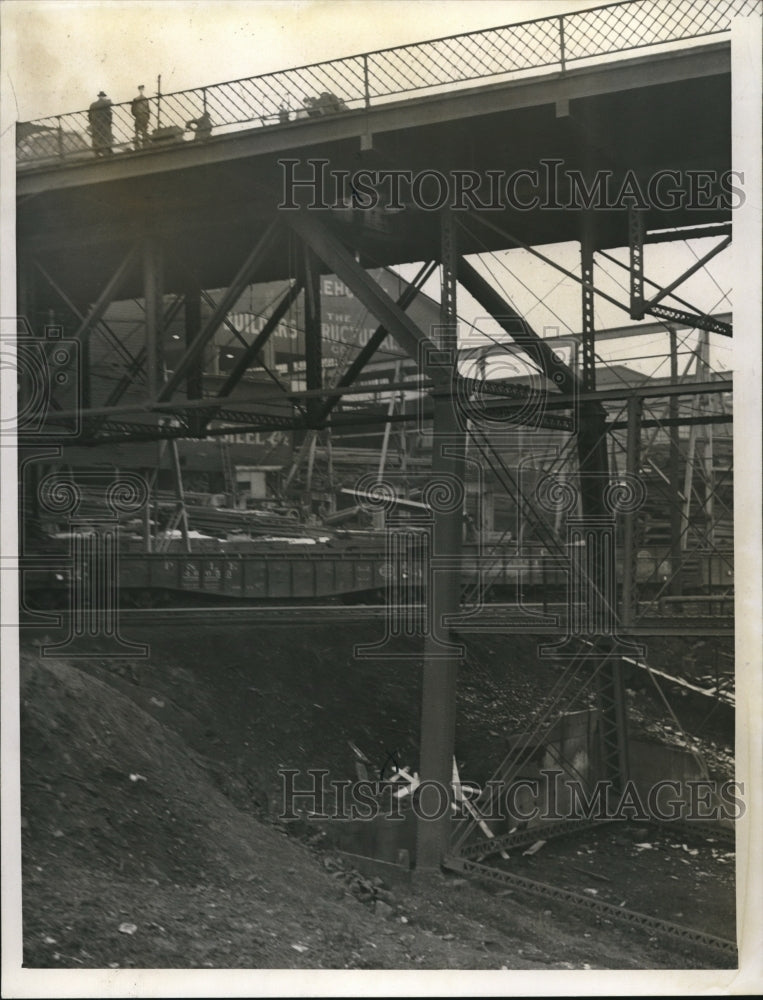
60, 138
561, 44
366, 91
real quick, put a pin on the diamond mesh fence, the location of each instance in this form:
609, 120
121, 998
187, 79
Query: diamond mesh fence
342, 85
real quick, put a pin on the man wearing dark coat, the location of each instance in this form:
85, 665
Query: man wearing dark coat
141, 112
99, 116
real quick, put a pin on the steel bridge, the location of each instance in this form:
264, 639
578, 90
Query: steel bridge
272, 192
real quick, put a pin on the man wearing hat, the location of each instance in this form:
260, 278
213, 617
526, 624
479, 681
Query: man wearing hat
99, 116
141, 112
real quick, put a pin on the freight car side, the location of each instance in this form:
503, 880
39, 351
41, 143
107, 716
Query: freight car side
342, 573
245, 576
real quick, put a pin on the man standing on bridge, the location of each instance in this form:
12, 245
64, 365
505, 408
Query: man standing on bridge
99, 116
141, 112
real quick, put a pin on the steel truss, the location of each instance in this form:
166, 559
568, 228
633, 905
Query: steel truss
576, 404
641, 306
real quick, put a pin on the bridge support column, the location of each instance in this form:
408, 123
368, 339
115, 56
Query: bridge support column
674, 474
152, 295
192, 317
594, 476
632, 455
313, 333
441, 659
192, 310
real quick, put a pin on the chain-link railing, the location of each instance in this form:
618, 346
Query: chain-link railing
342, 85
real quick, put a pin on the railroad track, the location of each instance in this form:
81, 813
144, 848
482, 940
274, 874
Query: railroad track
214, 614
231, 615
264, 612
499, 616
470, 856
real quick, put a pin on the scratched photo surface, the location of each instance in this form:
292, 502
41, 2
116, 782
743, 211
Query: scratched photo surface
370, 375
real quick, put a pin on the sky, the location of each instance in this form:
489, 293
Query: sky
60, 53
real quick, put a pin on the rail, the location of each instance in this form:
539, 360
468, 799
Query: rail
361, 81
688, 936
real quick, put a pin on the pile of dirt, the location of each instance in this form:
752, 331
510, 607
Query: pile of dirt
133, 856
150, 801
116, 787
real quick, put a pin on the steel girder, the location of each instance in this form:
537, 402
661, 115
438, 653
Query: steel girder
253, 349
640, 306
399, 325
518, 329
378, 337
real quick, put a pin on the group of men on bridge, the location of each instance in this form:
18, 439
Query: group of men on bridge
100, 117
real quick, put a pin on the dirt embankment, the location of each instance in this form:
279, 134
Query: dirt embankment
150, 800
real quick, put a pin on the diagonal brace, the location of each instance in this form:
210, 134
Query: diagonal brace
401, 327
378, 337
103, 301
688, 273
138, 362
234, 290
698, 321
517, 328
70, 305
253, 349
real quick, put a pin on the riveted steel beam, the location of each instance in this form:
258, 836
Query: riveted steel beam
378, 336
518, 329
401, 327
